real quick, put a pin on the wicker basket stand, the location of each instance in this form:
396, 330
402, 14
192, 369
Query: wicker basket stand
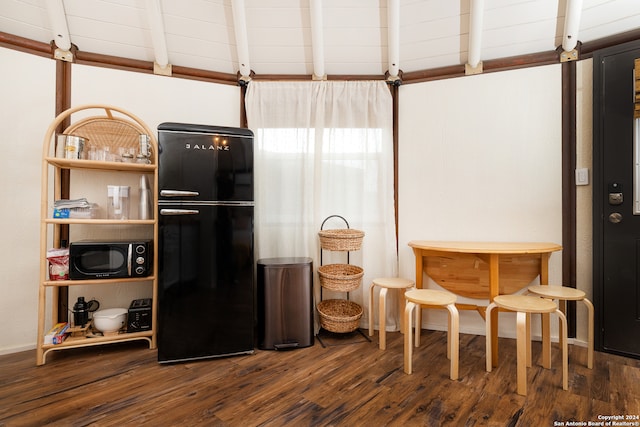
339, 315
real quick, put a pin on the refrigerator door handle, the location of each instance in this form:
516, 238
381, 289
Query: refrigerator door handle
179, 211
178, 193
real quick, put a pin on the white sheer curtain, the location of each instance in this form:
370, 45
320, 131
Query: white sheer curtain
322, 149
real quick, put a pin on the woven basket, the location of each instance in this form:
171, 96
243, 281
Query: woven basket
340, 277
343, 239
113, 132
337, 315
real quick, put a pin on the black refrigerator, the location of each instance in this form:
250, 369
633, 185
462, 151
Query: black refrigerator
206, 291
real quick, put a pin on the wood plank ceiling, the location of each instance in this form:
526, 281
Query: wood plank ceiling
317, 38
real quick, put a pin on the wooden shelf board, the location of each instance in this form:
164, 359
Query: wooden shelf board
99, 165
98, 221
109, 281
87, 342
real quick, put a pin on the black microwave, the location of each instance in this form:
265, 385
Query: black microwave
90, 259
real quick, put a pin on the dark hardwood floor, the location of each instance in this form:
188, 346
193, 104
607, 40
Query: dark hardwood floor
348, 383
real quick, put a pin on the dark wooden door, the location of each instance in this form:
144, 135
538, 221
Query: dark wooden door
616, 226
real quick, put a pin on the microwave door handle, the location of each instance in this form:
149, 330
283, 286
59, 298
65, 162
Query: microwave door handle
167, 212
178, 193
129, 260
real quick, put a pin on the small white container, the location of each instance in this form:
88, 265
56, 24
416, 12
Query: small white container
110, 319
118, 202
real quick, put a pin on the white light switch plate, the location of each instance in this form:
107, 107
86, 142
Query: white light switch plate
582, 176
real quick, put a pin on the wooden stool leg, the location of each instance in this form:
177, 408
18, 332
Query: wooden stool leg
590, 336
521, 345
488, 336
528, 340
418, 325
449, 321
562, 305
494, 337
546, 341
565, 351
454, 340
401, 306
408, 347
371, 298
382, 318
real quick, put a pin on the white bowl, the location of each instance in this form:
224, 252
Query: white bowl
110, 320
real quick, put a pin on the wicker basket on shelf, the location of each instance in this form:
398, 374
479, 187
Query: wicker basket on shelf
342, 239
340, 277
110, 131
337, 315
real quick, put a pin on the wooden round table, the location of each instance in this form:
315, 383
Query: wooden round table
485, 270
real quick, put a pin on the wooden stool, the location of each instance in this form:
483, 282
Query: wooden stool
564, 294
525, 306
386, 283
430, 298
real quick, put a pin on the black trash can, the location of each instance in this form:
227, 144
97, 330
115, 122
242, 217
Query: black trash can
285, 303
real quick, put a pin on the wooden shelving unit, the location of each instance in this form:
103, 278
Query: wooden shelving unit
115, 127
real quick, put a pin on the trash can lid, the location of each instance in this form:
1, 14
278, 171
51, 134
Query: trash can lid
284, 261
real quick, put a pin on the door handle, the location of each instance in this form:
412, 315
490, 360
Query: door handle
179, 211
178, 193
615, 199
615, 217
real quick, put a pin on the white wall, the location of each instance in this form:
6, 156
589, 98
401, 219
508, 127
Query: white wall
27, 85
157, 99
27, 108
480, 160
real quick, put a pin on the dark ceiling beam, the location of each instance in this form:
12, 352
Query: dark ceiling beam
433, 74
536, 59
88, 58
116, 62
587, 49
492, 65
309, 77
22, 44
205, 75
25, 45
